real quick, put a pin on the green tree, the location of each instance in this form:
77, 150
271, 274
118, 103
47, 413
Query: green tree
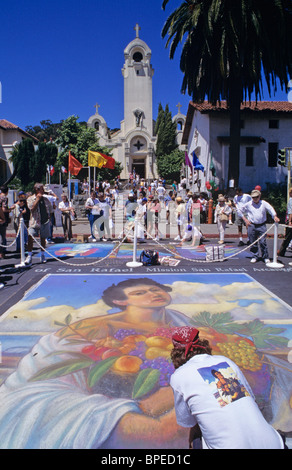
166, 132
169, 166
229, 48
30, 164
45, 131
77, 138
45, 154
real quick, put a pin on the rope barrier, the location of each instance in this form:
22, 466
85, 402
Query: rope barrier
134, 225
210, 261
14, 241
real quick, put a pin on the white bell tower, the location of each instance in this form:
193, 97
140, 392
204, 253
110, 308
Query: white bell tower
138, 73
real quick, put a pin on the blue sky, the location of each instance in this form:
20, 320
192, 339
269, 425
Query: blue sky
85, 289
59, 58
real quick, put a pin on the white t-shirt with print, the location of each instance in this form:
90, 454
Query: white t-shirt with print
213, 392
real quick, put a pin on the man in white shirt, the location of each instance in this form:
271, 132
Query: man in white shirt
160, 192
239, 200
213, 398
254, 214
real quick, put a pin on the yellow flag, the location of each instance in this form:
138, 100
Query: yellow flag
96, 159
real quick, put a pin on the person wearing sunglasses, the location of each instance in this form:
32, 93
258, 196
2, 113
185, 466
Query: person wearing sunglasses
254, 214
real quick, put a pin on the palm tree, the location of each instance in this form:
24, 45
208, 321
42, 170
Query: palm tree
229, 48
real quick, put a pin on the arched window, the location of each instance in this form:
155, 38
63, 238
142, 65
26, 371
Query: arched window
179, 125
137, 57
96, 125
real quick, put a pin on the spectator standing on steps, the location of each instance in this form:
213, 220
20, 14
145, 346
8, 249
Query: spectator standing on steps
39, 222
254, 214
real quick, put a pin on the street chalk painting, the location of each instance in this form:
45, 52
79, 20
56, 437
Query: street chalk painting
85, 357
80, 250
199, 252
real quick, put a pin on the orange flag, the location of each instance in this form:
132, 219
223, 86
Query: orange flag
74, 166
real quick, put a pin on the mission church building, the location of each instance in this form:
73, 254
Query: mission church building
266, 127
135, 143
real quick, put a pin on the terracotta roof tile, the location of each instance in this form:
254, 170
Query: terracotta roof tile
7, 125
276, 106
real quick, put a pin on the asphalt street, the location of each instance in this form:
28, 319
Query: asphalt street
17, 280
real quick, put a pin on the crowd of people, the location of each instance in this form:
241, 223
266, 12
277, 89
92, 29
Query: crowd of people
184, 210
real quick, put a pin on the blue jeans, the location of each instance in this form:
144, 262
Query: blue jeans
92, 218
254, 231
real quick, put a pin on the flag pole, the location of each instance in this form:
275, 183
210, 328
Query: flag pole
69, 186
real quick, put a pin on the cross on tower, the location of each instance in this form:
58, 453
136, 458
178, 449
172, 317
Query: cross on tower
179, 107
137, 28
96, 108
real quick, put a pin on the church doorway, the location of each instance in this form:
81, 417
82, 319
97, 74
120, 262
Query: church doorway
139, 166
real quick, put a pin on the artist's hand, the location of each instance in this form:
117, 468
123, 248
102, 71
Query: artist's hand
276, 219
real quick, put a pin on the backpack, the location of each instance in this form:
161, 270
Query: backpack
149, 258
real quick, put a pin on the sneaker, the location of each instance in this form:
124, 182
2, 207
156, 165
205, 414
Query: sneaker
28, 260
43, 258
230, 223
241, 243
267, 260
221, 242
156, 239
253, 260
177, 238
93, 240
103, 240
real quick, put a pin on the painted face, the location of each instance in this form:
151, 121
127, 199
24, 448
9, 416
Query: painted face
146, 296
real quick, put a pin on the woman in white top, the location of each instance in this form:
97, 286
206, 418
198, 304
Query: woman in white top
67, 213
222, 212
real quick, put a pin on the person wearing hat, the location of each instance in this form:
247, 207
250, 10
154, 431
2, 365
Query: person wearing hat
221, 216
254, 214
180, 213
39, 223
213, 398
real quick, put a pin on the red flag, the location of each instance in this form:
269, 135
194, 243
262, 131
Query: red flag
188, 161
52, 170
74, 166
110, 161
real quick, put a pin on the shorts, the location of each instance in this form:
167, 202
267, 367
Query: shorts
239, 220
43, 231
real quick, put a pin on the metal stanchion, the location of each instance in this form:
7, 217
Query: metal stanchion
22, 247
135, 263
274, 263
